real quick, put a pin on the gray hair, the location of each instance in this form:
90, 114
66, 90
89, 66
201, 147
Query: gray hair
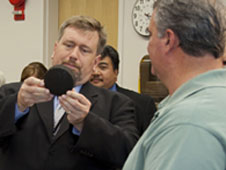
86, 23
199, 25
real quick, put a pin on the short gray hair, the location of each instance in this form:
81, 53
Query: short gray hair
86, 23
199, 25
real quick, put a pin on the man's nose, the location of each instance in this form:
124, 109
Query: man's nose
75, 52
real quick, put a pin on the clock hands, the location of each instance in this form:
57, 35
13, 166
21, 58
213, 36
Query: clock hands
147, 15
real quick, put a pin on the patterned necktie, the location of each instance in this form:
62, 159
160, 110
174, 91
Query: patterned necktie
58, 115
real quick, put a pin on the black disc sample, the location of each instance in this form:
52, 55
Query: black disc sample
59, 79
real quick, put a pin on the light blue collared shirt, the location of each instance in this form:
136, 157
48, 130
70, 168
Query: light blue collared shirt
189, 132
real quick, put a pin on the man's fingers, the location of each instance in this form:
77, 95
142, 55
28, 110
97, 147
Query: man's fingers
74, 95
33, 91
34, 81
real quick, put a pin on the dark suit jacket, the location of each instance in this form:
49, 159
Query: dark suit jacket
108, 135
9, 89
145, 107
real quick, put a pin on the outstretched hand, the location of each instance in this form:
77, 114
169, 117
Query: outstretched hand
32, 91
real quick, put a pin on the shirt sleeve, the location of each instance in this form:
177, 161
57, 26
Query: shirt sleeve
185, 147
19, 114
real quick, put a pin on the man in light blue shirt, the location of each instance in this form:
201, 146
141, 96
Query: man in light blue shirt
188, 131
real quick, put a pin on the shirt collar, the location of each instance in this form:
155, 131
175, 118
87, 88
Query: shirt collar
211, 78
113, 88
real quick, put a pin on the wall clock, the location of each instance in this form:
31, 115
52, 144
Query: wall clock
141, 15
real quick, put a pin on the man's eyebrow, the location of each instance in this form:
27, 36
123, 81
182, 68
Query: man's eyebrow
103, 63
82, 45
86, 47
69, 41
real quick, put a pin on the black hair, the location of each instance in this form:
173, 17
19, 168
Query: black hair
112, 53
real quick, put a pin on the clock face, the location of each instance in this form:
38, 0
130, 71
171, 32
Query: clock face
141, 16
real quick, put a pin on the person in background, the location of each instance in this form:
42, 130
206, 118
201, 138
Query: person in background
86, 128
186, 46
2, 79
35, 69
105, 75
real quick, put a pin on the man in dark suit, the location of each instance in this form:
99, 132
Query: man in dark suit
97, 129
105, 75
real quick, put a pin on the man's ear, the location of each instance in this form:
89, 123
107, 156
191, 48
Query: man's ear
116, 71
55, 45
54, 49
171, 40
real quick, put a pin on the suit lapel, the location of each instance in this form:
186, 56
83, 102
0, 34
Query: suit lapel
90, 92
64, 126
46, 113
119, 89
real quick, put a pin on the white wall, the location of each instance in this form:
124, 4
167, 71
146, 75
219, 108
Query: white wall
23, 42
131, 46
